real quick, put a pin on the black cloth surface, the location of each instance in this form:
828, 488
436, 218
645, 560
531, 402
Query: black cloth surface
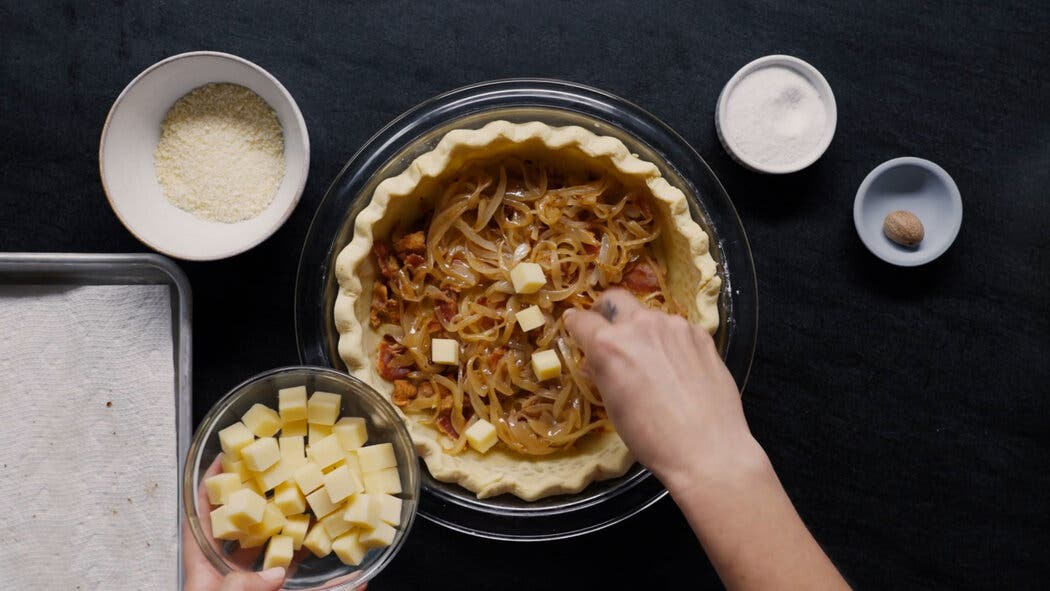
906, 410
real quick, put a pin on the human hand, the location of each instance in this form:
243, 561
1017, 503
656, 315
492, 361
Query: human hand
201, 576
666, 390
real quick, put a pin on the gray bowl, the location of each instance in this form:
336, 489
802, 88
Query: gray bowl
916, 185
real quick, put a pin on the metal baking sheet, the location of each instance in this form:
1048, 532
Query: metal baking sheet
125, 269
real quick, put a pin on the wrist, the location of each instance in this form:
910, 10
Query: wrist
738, 466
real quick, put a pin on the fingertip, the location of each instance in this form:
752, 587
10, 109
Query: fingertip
273, 575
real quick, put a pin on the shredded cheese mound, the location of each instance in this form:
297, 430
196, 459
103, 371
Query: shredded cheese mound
221, 153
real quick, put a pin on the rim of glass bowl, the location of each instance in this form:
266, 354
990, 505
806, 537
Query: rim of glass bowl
400, 141
191, 484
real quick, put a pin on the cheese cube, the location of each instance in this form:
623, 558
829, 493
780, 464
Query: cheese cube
318, 542
340, 484
261, 454
289, 499
350, 461
291, 402
323, 408
546, 365
245, 508
232, 466
293, 451
235, 438
295, 527
383, 481
318, 432
272, 523
278, 552
362, 510
376, 457
335, 525
379, 536
308, 477
253, 485
261, 420
220, 486
293, 428
325, 452
351, 431
272, 476
481, 435
388, 509
444, 351
320, 503
221, 526
349, 549
530, 318
527, 277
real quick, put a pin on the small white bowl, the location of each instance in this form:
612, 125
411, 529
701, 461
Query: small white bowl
915, 185
813, 76
132, 131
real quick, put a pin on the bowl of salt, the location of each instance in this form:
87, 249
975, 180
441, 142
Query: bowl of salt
776, 115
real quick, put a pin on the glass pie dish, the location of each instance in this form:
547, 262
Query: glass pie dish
556, 103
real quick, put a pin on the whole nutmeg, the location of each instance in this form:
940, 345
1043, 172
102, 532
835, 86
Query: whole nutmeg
903, 227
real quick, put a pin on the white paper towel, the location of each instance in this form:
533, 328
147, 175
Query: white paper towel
88, 456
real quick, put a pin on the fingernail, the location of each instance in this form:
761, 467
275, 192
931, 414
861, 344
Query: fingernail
273, 575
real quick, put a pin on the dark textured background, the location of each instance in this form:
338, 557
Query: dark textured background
905, 410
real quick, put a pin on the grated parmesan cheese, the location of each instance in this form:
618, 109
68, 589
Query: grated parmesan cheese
221, 153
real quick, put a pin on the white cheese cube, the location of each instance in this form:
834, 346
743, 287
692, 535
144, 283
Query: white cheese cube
294, 428
530, 318
444, 351
349, 549
272, 523
278, 552
220, 486
317, 541
323, 408
376, 457
527, 277
309, 477
380, 536
350, 461
362, 510
481, 435
325, 452
291, 402
335, 525
221, 526
320, 503
340, 484
235, 438
261, 454
546, 365
289, 499
261, 420
231, 466
382, 481
293, 451
295, 527
245, 508
388, 509
272, 476
318, 432
351, 431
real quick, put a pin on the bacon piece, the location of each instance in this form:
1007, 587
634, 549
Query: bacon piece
641, 279
415, 243
414, 261
404, 392
496, 355
387, 352
446, 308
444, 423
384, 308
387, 263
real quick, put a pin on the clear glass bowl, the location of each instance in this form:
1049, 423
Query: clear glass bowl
557, 103
359, 400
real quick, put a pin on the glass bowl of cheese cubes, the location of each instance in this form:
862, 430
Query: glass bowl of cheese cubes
306, 468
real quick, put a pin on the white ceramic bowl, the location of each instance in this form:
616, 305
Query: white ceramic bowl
132, 131
814, 77
915, 185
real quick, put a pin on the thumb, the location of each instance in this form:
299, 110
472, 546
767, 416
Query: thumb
267, 580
